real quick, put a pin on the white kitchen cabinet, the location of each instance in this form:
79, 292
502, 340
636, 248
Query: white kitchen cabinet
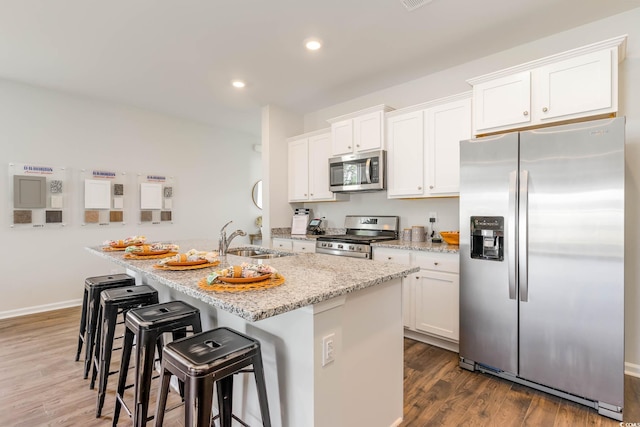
437, 293
424, 147
405, 155
571, 85
359, 131
307, 246
308, 168
282, 244
400, 257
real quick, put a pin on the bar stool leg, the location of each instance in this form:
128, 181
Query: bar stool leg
104, 358
225, 400
261, 386
83, 324
127, 347
90, 337
199, 396
96, 350
145, 352
162, 397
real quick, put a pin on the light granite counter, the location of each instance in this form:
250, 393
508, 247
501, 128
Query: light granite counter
417, 246
352, 306
309, 279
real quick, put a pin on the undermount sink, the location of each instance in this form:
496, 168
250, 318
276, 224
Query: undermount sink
256, 253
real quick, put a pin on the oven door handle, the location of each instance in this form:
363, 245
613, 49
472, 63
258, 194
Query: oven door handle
367, 170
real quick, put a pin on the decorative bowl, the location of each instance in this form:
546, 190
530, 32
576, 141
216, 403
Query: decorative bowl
451, 237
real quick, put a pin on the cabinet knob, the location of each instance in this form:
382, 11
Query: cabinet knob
357, 145
526, 113
349, 147
305, 194
419, 188
312, 194
435, 263
418, 277
389, 257
545, 109
431, 187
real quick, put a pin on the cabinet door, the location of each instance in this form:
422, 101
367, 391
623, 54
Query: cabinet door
502, 102
581, 86
400, 257
304, 246
298, 162
319, 153
342, 137
445, 126
405, 155
283, 244
367, 131
437, 303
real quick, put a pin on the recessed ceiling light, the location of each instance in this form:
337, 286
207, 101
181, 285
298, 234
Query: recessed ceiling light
312, 44
238, 84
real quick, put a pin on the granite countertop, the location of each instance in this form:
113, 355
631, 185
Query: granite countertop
417, 246
309, 279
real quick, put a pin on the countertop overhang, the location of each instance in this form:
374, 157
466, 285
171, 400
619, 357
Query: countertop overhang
309, 279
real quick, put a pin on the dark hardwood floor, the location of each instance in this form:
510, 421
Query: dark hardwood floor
42, 385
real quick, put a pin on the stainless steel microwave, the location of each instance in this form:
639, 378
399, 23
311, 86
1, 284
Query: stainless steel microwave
357, 172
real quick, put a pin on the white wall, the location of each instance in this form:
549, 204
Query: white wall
214, 171
452, 81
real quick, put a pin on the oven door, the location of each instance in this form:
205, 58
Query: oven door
357, 172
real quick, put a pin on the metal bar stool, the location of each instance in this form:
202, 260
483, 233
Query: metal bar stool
147, 324
90, 304
112, 303
208, 358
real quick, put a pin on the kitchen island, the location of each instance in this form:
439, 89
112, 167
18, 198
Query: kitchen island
349, 306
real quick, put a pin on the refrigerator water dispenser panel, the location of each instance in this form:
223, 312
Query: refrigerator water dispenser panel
487, 237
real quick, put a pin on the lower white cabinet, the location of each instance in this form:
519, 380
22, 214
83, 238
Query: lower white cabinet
282, 244
294, 245
431, 307
308, 246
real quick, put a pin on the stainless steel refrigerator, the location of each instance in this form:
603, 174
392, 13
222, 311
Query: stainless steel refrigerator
542, 260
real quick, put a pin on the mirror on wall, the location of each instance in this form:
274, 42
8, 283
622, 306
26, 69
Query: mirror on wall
256, 194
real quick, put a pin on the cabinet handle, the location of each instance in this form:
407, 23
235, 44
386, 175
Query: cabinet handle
357, 145
435, 263
305, 194
545, 109
312, 194
419, 188
418, 277
349, 147
526, 113
389, 257
431, 187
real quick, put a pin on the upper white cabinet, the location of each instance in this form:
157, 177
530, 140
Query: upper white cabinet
423, 144
579, 83
359, 131
308, 167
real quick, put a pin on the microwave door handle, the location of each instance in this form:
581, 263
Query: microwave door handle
367, 170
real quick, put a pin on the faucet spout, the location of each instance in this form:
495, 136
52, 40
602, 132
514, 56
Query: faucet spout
224, 242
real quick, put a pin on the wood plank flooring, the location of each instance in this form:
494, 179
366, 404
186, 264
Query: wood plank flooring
42, 385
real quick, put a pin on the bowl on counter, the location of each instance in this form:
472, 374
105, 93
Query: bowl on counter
451, 237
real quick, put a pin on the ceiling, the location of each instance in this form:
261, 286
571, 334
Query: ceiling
179, 56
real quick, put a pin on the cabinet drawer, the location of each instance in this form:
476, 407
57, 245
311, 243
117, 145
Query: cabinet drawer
437, 261
392, 255
284, 244
304, 246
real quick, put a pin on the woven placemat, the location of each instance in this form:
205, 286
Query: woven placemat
133, 256
185, 267
218, 286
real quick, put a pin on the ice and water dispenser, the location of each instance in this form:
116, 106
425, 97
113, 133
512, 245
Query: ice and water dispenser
487, 237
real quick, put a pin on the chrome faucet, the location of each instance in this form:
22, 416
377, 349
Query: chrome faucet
223, 242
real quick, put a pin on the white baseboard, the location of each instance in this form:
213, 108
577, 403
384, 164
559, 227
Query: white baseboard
39, 308
428, 339
397, 422
632, 369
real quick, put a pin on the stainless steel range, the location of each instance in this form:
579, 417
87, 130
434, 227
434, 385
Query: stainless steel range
361, 232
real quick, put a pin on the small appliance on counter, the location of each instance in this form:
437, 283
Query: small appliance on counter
300, 221
315, 226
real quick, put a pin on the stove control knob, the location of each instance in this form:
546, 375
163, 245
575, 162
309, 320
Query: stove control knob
351, 247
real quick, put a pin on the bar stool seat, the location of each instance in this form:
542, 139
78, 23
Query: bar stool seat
147, 325
90, 305
114, 302
205, 359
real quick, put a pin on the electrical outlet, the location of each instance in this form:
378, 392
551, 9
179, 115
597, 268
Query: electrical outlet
433, 217
328, 355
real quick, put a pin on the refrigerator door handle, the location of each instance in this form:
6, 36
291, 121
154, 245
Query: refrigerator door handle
523, 230
510, 247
